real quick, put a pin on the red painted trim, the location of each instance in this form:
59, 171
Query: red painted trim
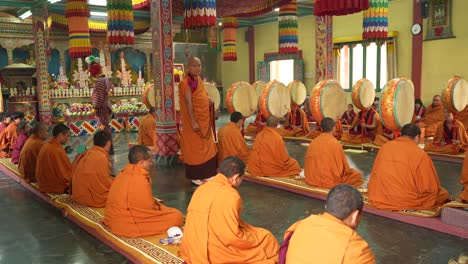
251, 34
416, 64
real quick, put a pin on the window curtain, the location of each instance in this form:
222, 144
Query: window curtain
392, 65
336, 62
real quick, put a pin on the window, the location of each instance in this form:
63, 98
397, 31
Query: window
357, 60
282, 71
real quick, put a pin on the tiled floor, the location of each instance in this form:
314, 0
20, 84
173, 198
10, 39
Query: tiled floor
34, 232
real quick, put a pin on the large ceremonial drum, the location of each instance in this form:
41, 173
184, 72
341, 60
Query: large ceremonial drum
149, 96
455, 94
298, 92
242, 97
275, 100
363, 94
259, 86
327, 99
213, 93
396, 105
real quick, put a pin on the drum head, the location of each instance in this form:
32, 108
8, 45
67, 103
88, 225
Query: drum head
331, 99
242, 98
213, 93
459, 93
363, 94
396, 105
149, 96
277, 99
298, 92
259, 86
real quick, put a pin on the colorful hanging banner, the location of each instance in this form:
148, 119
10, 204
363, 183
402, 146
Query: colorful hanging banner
288, 28
230, 26
375, 23
339, 7
199, 13
77, 13
120, 28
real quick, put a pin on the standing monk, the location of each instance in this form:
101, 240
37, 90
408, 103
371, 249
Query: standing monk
230, 140
331, 237
53, 167
100, 98
296, 124
404, 177
9, 135
131, 209
325, 164
434, 116
269, 156
147, 129
30, 152
198, 146
214, 232
91, 177
450, 137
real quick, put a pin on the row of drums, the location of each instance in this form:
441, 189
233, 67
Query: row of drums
328, 98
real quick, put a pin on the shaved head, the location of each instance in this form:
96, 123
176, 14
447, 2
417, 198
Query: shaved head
272, 121
194, 60
194, 66
327, 124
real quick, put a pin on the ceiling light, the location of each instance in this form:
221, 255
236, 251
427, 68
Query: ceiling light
54, 1
102, 14
220, 23
25, 14
97, 2
276, 9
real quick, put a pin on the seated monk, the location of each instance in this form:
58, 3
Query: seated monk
91, 177
463, 117
325, 163
257, 125
9, 135
434, 116
23, 134
5, 121
318, 130
306, 109
384, 135
269, 156
147, 129
364, 126
331, 237
404, 177
348, 116
419, 110
230, 140
464, 181
131, 209
53, 167
295, 124
214, 232
30, 152
450, 137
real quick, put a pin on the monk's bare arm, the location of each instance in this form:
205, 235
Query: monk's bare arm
188, 100
373, 125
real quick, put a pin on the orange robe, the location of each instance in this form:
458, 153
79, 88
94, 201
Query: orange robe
91, 178
404, 177
381, 139
338, 131
199, 148
434, 116
257, 125
132, 211
463, 117
147, 131
326, 239
28, 158
326, 164
464, 181
8, 140
232, 143
447, 147
53, 168
214, 232
295, 125
269, 156
369, 134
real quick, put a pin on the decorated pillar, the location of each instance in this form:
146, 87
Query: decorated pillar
10, 55
39, 20
163, 60
323, 48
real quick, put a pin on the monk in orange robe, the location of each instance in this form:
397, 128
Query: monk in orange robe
214, 232
257, 125
463, 117
330, 237
464, 181
147, 129
9, 135
325, 163
450, 137
295, 124
434, 116
269, 156
91, 178
53, 167
131, 209
30, 152
384, 135
365, 126
230, 140
337, 134
404, 177
198, 144
6, 120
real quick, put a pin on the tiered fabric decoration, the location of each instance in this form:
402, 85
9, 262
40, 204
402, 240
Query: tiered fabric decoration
230, 26
339, 7
77, 13
199, 13
120, 23
375, 24
288, 28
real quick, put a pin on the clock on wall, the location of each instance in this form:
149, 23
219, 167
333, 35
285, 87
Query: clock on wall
416, 29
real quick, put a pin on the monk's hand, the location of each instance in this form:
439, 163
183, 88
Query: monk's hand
363, 124
195, 126
455, 142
